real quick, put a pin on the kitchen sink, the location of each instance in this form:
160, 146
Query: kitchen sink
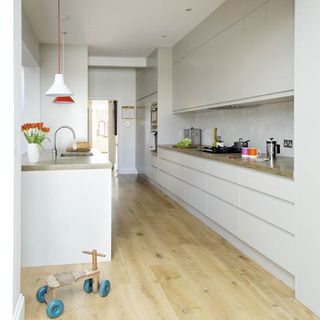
76, 154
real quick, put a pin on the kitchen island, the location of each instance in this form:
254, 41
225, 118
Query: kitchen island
66, 208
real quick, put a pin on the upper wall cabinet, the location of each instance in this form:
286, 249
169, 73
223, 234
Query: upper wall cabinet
251, 60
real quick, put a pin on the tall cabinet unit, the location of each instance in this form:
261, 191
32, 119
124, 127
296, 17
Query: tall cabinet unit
250, 59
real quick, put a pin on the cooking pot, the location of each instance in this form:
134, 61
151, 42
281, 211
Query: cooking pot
241, 144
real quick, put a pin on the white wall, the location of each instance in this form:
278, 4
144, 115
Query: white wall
31, 99
118, 84
76, 78
257, 123
30, 45
307, 174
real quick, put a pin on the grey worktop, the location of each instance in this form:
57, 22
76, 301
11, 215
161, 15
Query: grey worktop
282, 166
48, 162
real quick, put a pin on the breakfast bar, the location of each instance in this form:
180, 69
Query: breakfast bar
66, 208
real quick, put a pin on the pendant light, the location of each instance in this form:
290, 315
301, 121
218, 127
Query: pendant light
63, 99
59, 88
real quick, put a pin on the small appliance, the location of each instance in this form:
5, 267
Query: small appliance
273, 149
194, 134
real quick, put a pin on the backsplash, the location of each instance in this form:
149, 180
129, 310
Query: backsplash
257, 123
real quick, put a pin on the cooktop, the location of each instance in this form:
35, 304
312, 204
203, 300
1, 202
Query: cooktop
220, 149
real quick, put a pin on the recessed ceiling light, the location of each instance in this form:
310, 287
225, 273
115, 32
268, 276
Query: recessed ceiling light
164, 36
188, 9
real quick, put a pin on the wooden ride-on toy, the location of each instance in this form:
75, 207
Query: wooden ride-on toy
91, 279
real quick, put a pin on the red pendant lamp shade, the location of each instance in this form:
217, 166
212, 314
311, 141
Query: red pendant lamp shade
63, 100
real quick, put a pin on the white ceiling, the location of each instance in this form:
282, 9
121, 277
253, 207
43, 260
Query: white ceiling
130, 28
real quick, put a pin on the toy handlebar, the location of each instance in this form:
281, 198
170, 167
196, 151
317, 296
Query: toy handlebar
94, 252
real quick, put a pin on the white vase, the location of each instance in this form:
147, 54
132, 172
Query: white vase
33, 152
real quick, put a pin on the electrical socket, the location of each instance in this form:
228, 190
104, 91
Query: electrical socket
287, 143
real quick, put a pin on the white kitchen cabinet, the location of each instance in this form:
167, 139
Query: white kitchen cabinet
223, 189
251, 60
231, 48
174, 185
193, 81
256, 57
171, 168
279, 46
274, 243
273, 210
253, 206
196, 198
224, 214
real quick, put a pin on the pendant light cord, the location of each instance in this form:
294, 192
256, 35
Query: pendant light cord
59, 21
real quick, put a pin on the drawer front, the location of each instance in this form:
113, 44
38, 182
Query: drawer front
223, 189
280, 187
221, 170
171, 168
195, 198
154, 174
196, 178
274, 243
278, 212
224, 214
172, 184
194, 162
154, 160
173, 156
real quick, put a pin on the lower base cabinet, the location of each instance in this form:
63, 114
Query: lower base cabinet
262, 218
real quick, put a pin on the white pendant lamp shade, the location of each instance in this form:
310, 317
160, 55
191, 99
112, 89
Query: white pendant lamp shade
59, 88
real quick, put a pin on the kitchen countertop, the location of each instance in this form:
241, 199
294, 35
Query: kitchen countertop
282, 166
47, 162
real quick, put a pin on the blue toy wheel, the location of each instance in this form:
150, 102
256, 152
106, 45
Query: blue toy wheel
87, 286
55, 308
104, 288
41, 293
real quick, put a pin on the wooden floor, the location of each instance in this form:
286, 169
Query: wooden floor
168, 265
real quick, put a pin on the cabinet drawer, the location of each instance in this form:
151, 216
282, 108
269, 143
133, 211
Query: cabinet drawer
154, 174
154, 160
172, 184
196, 178
278, 212
223, 214
195, 198
194, 162
221, 170
223, 189
173, 156
280, 187
171, 168
274, 243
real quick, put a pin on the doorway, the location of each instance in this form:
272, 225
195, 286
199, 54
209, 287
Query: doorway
103, 129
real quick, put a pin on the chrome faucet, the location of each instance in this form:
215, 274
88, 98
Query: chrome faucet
55, 151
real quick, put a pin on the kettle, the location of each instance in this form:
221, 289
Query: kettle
273, 149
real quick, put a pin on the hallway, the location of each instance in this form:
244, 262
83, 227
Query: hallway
168, 265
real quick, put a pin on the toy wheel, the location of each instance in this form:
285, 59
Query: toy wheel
41, 293
55, 308
104, 288
87, 286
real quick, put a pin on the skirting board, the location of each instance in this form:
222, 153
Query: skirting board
127, 171
263, 261
19, 310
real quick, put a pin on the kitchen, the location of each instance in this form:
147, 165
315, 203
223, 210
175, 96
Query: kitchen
236, 85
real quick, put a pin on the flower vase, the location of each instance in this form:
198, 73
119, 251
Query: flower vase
33, 152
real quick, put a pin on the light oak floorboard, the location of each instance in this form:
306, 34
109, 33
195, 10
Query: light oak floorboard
166, 264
